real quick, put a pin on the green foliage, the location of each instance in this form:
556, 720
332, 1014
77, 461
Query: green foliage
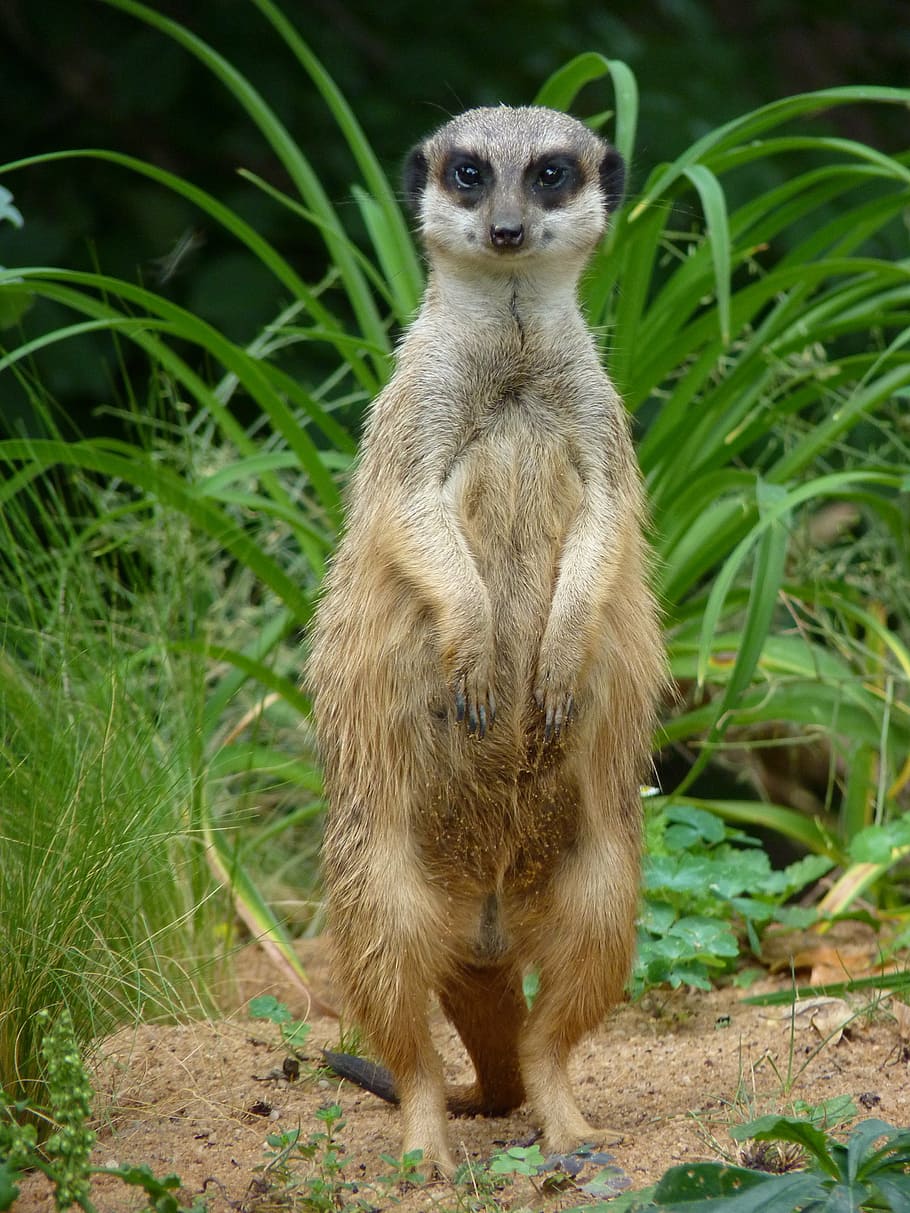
65, 1155
107, 904
325, 1187
706, 884
8, 212
70, 1145
517, 1160
294, 1032
404, 1170
869, 1171
159, 1192
313, 1173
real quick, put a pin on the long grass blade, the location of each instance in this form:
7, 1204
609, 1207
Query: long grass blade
289, 154
740, 130
560, 91
715, 207
169, 488
395, 247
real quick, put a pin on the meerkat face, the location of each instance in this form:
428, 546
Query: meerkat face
502, 185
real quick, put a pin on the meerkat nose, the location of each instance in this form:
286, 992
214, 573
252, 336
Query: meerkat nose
506, 236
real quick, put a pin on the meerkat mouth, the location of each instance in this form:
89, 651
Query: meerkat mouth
509, 252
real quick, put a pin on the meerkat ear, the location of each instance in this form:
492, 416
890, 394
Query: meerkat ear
612, 178
415, 177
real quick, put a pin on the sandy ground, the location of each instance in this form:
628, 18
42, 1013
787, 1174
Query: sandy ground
673, 1072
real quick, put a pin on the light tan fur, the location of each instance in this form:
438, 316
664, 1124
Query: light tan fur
493, 564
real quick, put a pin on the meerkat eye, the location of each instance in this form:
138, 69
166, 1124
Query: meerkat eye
467, 176
552, 176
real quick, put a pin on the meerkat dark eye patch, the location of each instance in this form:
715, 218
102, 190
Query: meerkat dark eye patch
466, 176
554, 179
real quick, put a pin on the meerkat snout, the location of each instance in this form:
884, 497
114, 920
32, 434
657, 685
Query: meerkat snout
507, 235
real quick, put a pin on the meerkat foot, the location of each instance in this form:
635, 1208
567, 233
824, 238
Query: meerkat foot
435, 1152
566, 1138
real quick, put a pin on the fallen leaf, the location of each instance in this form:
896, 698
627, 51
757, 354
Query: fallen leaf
826, 1016
852, 949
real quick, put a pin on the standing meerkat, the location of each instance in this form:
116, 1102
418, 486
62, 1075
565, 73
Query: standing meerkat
486, 657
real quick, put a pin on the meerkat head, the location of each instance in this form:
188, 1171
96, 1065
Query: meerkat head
501, 185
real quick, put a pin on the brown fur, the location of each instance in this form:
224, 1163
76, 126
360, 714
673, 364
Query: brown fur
493, 563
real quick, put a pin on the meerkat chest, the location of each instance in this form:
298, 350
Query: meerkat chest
516, 486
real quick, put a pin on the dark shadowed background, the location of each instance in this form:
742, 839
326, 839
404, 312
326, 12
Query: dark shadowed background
76, 73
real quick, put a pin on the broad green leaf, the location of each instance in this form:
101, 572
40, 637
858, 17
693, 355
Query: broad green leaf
267, 1006
788, 1128
787, 822
706, 936
877, 843
863, 1161
716, 1188
8, 212
895, 1189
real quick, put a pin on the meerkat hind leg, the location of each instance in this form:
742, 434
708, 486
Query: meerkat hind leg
421, 1094
486, 1005
401, 1035
399, 1031
387, 992
553, 1031
583, 963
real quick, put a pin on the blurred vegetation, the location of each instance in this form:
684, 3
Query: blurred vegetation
75, 73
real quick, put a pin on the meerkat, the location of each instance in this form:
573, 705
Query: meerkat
486, 658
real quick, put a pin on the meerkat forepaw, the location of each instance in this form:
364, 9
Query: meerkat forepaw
475, 704
554, 689
557, 705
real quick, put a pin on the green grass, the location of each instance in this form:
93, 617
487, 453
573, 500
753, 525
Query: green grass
156, 587
107, 903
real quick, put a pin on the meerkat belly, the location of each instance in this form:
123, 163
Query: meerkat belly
516, 493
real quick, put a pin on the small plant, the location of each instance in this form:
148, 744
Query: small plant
294, 1032
518, 1160
868, 1172
705, 883
834, 1113
404, 1170
585, 1170
64, 1158
326, 1189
